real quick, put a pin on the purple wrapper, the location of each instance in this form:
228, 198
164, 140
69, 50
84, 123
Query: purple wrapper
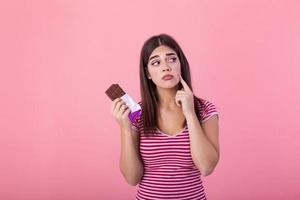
133, 115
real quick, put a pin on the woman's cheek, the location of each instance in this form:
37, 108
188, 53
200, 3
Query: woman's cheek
177, 70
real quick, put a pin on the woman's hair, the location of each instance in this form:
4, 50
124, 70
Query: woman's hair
148, 88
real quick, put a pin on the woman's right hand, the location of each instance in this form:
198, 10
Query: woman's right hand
120, 112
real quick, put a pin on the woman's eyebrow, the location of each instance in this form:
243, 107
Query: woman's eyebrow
153, 57
167, 54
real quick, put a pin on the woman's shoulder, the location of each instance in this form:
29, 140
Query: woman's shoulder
203, 101
206, 108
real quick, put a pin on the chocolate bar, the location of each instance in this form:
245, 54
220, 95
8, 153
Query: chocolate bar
114, 91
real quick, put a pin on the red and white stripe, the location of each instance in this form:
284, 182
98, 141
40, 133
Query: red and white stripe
169, 172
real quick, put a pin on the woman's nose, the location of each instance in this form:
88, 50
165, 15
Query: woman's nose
166, 68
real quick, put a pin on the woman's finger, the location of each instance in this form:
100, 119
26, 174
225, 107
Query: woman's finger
118, 106
178, 100
113, 105
122, 109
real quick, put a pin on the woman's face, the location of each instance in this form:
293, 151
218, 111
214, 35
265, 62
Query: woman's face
164, 61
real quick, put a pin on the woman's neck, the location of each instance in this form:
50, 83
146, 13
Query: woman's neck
166, 98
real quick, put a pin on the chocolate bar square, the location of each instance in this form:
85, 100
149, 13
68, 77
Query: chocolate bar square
114, 91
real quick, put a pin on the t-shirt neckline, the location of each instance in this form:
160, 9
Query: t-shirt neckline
168, 135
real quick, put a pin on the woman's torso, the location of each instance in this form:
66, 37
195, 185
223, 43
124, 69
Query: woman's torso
169, 171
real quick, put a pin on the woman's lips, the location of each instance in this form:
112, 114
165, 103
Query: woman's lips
168, 77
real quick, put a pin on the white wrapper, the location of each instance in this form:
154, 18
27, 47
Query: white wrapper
131, 103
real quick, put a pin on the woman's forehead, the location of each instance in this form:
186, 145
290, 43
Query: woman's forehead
162, 50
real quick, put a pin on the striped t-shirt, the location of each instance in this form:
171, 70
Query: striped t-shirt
169, 172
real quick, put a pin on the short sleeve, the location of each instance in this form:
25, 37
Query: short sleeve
207, 109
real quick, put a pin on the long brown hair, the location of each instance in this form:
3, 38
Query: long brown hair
148, 88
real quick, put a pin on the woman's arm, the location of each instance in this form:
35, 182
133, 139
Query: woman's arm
204, 143
131, 165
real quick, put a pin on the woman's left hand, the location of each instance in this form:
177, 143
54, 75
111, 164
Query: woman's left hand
185, 98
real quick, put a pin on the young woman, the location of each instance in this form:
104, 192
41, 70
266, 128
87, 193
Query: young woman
175, 140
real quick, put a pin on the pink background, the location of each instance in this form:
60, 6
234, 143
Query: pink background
58, 140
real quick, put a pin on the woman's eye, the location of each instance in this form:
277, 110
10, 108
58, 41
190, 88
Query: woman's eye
155, 63
173, 59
